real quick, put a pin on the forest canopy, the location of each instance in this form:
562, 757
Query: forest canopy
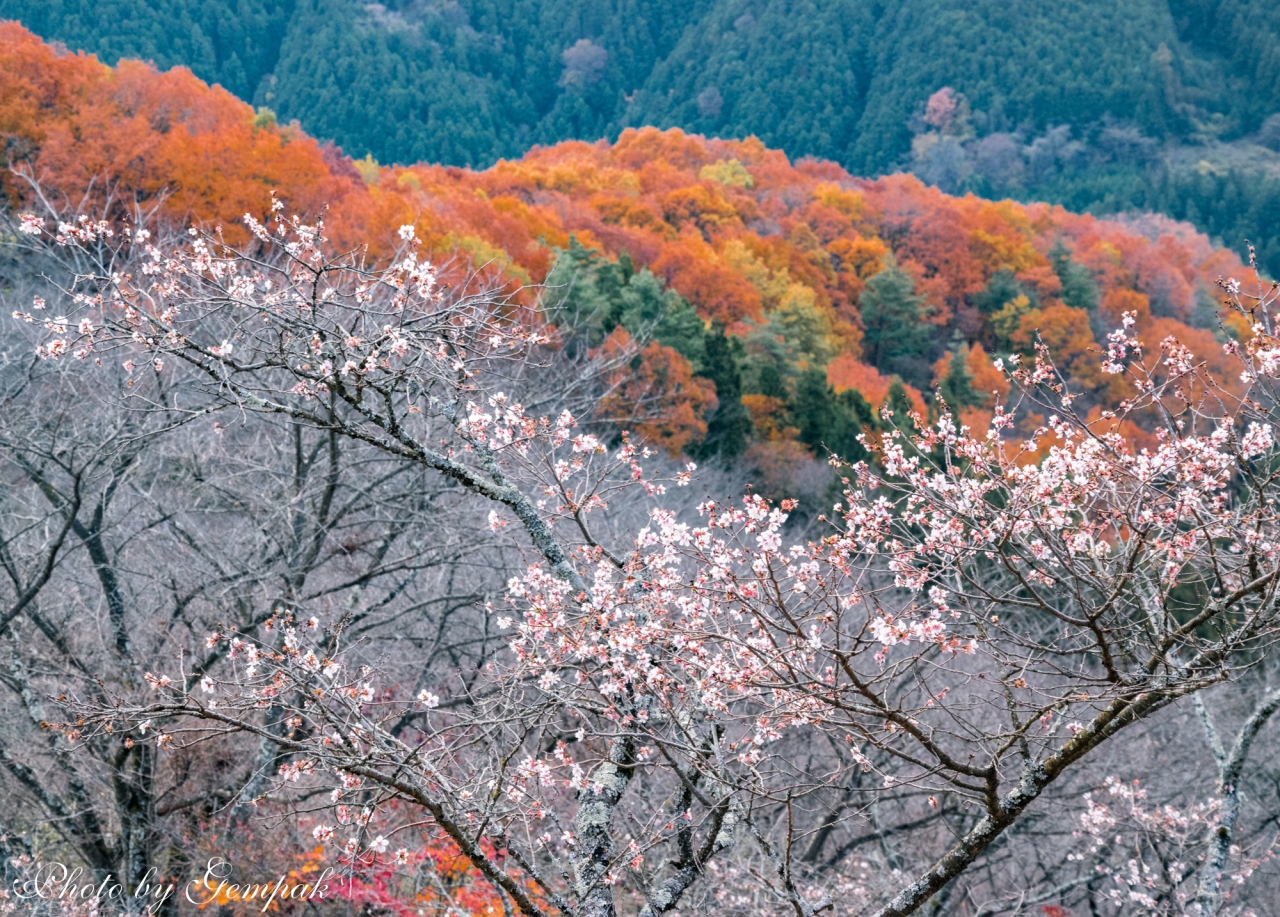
767, 289
1166, 105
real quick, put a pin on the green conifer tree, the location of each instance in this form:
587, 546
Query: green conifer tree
896, 337
956, 390
1078, 287
729, 425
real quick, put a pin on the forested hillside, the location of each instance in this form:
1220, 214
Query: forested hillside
781, 304
1148, 104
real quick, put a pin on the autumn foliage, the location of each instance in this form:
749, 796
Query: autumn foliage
133, 136
745, 235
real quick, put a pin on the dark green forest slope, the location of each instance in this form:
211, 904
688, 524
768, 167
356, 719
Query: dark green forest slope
1103, 105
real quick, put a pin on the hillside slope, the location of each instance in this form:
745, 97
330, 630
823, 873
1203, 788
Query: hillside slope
1168, 105
1018, 63
786, 301
468, 81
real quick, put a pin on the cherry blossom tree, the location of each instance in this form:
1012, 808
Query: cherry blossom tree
131, 526
980, 618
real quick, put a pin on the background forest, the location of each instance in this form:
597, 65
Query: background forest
1146, 104
781, 304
